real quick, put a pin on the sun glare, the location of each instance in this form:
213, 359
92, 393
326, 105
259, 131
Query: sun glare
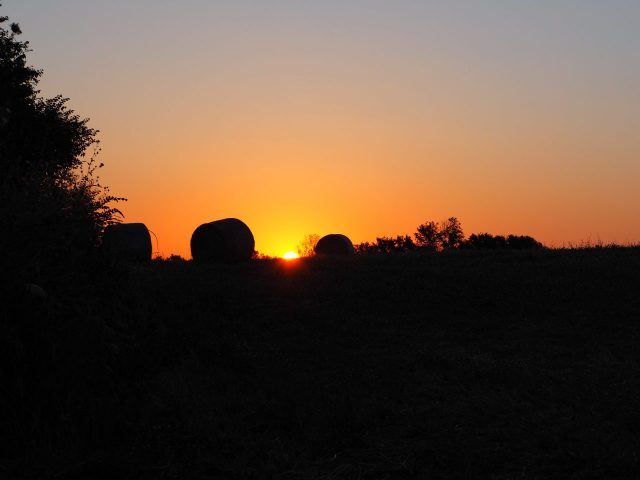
290, 256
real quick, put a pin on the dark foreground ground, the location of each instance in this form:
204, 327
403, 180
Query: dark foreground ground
501, 365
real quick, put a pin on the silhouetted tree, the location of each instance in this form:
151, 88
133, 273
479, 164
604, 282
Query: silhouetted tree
450, 233
427, 236
522, 242
404, 243
366, 248
500, 241
445, 235
484, 241
52, 207
306, 247
488, 241
387, 245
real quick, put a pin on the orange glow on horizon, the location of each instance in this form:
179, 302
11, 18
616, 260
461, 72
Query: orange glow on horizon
290, 256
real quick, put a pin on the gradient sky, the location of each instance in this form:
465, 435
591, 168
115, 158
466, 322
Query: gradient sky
360, 117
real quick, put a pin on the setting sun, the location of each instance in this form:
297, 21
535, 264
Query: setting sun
290, 256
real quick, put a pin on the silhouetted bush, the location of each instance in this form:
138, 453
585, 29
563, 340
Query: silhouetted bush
443, 236
484, 241
428, 236
450, 233
52, 207
401, 243
387, 245
488, 241
365, 248
446, 235
522, 242
57, 387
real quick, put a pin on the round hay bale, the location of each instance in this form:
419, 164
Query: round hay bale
129, 242
223, 241
334, 244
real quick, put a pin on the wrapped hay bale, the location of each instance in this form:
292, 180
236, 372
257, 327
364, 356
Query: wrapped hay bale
334, 244
128, 242
228, 240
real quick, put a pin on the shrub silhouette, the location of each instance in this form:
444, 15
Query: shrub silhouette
366, 248
522, 242
401, 243
485, 241
445, 235
387, 245
488, 241
52, 206
428, 236
450, 233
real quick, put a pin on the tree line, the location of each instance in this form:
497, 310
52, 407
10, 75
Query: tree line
445, 235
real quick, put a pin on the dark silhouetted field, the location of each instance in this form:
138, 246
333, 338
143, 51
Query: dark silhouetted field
466, 364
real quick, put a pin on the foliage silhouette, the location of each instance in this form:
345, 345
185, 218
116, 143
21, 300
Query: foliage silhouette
52, 206
365, 248
445, 235
387, 245
450, 233
485, 241
522, 242
428, 236
400, 243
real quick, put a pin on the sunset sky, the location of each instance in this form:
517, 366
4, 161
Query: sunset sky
363, 117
